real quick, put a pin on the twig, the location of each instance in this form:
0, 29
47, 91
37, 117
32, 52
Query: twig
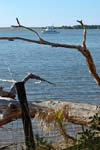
18, 21
21, 26
33, 76
84, 33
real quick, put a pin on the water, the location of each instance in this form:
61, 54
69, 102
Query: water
64, 67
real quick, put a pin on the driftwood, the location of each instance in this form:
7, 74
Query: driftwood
76, 113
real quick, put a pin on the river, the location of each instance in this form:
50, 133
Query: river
64, 67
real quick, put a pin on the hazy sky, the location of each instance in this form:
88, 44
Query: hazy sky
49, 12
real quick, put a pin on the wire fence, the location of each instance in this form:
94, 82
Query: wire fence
12, 134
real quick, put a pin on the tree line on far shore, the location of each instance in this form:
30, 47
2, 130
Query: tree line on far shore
74, 27
66, 27
79, 27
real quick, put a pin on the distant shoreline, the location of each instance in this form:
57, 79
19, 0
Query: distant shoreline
64, 27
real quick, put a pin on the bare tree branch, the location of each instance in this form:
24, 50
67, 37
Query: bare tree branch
84, 33
33, 76
12, 92
43, 42
82, 49
18, 21
21, 26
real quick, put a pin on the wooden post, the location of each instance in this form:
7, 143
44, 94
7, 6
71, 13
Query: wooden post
27, 125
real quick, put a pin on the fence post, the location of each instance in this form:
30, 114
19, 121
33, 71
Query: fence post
27, 125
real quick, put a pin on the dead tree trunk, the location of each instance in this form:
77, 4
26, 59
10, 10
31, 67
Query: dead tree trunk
27, 125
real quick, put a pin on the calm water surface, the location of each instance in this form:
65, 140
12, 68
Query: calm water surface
65, 67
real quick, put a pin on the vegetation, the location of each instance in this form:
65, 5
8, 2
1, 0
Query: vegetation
79, 27
89, 138
42, 144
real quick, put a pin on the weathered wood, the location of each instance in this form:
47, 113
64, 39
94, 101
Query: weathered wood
10, 117
27, 125
77, 113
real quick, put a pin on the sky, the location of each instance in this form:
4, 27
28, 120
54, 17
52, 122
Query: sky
37, 13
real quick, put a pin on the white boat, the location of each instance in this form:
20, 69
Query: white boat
50, 30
